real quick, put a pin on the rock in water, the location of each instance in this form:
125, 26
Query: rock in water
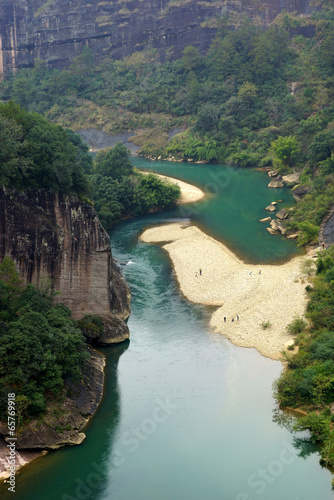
270, 208
277, 182
282, 214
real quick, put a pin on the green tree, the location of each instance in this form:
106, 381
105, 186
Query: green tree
285, 150
114, 163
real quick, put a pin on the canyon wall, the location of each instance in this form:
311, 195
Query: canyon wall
57, 30
58, 237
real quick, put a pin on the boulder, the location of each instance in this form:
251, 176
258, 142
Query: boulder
292, 179
270, 208
282, 214
276, 183
277, 225
266, 219
299, 192
274, 225
270, 230
282, 228
115, 331
272, 173
292, 236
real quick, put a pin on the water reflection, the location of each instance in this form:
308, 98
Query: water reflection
79, 471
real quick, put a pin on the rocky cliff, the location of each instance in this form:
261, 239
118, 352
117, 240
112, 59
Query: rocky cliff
58, 237
57, 30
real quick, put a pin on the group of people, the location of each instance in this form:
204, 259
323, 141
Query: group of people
237, 318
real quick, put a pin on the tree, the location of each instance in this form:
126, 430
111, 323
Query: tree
247, 93
11, 287
191, 59
114, 163
285, 150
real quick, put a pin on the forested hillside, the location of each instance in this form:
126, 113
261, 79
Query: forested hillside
260, 97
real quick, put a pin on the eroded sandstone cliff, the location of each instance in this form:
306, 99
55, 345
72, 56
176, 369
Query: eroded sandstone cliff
55, 236
57, 30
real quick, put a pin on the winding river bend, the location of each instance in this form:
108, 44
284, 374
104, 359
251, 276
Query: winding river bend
186, 415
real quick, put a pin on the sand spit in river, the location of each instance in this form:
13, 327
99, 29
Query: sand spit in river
275, 295
189, 193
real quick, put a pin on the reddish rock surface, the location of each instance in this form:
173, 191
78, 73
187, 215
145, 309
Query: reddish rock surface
58, 237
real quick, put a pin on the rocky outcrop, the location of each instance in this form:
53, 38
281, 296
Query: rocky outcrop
326, 232
271, 207
58, 30
291, 179
276, 182
282, 214
277, 225
299, 192
60, 238
63, 421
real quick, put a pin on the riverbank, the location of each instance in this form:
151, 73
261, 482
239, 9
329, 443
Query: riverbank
265, 298
61, 425
189, 193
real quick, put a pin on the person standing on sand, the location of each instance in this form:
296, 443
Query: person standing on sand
200, 272
224, 319
237, 318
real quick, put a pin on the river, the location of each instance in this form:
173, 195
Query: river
186, 415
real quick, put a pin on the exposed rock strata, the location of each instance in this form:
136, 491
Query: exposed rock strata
57, 30
326, 232
58, 237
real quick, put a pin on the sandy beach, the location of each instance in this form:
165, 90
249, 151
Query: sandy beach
189, 193
257, 294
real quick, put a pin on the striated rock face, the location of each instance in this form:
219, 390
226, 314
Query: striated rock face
57, 30
59, 237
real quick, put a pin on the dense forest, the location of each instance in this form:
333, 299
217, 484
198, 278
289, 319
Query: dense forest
308, 382
41, 346
260, 97
38, 154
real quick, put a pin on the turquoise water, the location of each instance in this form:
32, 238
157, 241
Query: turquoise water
186, 415
236, 201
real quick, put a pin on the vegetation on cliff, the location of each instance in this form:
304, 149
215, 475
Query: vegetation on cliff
308, 382
37, 154
118, 191
41, 346
257, 98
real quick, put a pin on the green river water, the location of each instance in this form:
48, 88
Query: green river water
186, 415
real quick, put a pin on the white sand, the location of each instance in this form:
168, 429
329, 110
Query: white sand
189, 193
277, 295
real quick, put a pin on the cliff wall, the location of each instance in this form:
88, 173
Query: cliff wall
59, 237
57, 30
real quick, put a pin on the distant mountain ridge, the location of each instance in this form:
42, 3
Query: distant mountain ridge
58, 30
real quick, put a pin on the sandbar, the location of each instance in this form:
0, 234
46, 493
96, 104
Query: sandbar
259, 295
189, 193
